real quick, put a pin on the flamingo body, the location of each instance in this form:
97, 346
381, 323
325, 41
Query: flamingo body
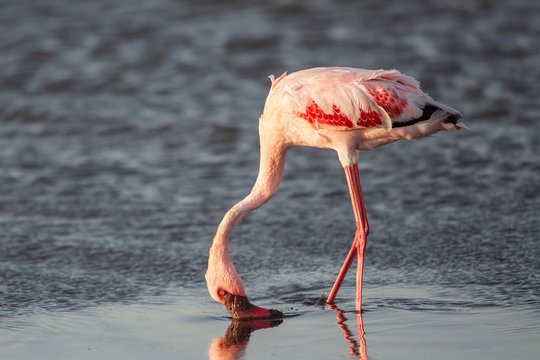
349, 109
344, 109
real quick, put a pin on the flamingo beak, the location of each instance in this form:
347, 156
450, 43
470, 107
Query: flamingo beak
240, 308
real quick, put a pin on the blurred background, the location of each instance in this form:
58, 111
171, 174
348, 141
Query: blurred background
128, 128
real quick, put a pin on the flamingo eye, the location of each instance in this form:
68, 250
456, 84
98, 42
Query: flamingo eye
221, 293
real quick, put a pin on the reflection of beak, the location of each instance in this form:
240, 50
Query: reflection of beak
240, 308
233, 344
239, 332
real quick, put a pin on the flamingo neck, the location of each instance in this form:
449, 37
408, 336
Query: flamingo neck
233, 216
272, 162
270, 174
221, 271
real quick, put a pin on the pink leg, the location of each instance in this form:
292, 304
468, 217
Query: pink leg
359, 243
360, 246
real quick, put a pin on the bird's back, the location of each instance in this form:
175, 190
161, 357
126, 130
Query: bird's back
347, 98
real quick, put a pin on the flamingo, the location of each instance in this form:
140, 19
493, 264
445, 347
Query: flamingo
344, 109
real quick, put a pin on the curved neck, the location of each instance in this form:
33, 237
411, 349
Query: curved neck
271, 166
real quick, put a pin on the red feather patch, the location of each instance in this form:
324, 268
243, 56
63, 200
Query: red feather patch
316, 116
388, 99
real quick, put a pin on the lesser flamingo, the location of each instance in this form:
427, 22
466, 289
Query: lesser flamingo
344, 109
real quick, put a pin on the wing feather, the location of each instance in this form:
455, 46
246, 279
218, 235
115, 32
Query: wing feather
368, 98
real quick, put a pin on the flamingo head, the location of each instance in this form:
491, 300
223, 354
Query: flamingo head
240, 308
225, 286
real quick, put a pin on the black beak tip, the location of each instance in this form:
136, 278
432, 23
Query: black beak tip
275, 314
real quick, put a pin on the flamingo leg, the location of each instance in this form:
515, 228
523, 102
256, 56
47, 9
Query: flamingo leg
359, 243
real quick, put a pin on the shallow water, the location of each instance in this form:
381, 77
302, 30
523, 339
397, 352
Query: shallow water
127, 130
179, 325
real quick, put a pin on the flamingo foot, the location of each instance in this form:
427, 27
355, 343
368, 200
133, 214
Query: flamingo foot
240, 308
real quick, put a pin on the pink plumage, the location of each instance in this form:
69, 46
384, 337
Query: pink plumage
344, 109
347, 98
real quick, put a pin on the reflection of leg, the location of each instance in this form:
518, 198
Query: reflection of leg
347, 334
357, 348
359, 244
362, 349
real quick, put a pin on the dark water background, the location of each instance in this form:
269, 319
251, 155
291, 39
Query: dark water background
128, 128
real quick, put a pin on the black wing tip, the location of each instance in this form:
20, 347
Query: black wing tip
428, 111
452, 119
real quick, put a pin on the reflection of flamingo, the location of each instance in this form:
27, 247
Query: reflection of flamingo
232, 345
343, 109
357, 348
